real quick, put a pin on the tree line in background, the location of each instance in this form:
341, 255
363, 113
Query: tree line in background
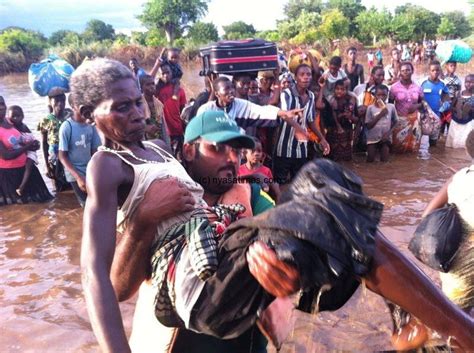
178, 23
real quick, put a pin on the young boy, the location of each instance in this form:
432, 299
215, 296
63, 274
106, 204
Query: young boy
452, 81
154, 112
15, 117
170, 56
78, 141
462, 122
436, 94
49, 129
381, 117
332, 75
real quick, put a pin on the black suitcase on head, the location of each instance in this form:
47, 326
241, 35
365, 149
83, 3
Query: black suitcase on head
233, 56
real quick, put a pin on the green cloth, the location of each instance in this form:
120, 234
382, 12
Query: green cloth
260, 200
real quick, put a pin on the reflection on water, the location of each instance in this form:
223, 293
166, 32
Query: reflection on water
41, 302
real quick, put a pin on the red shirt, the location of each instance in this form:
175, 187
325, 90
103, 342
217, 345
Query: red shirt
172, 109
243, 170
10, 138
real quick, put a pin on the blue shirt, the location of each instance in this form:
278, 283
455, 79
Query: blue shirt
79, 140
432, 92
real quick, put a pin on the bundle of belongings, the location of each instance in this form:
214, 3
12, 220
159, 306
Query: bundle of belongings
325, 226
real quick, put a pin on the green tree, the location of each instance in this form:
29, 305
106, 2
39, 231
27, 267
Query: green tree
306, 21
202, 33
121, 40
294, 8
58, 37
446, 28
138, 37
98, 31
155, 38
373, 24
334, 25
18, 40
239, 30
72, 38
350, 9
172, 16
402, 28
471, 14
462, 27
270, 35
423, 21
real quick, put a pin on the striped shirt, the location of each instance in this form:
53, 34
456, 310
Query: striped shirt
288, 146
245, 113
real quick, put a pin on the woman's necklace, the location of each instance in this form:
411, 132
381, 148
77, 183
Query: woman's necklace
155, 149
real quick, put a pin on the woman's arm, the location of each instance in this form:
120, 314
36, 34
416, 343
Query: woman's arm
12, 154
97, 252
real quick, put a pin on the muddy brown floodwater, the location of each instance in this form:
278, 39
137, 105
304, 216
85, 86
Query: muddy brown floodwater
41, 302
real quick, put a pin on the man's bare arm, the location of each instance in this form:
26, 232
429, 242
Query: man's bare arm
163, 199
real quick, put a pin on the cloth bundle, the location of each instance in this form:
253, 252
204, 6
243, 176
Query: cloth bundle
454, 50
325, 226
51, 73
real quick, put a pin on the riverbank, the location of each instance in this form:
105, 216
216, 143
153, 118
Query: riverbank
11, 63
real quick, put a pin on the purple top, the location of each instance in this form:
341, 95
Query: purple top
405, 96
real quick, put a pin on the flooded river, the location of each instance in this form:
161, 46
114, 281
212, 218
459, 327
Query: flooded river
41, 299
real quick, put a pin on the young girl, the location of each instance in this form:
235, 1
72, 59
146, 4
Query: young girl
380, 118
253, 167
15, 117
462, 120
339, 130
12, 166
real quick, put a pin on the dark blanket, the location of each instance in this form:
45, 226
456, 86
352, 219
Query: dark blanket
325, 226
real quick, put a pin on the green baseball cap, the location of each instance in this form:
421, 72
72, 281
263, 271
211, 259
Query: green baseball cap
216, 126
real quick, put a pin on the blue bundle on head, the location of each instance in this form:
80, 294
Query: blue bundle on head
454, 50
51, 73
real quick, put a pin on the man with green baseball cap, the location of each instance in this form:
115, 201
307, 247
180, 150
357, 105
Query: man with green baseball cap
217, 127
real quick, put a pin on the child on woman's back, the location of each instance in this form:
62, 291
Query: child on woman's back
15, 117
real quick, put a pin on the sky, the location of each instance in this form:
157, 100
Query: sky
48, 16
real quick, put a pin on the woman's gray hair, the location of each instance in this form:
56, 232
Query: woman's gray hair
91, 81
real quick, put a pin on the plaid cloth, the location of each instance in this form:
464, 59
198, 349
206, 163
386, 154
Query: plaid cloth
201, 234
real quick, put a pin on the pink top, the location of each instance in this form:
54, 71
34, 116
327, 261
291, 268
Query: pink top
405, 96
10, 138
243, 170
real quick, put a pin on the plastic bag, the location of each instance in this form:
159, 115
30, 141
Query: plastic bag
454, 50
437, 238
429, 121
52, 72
